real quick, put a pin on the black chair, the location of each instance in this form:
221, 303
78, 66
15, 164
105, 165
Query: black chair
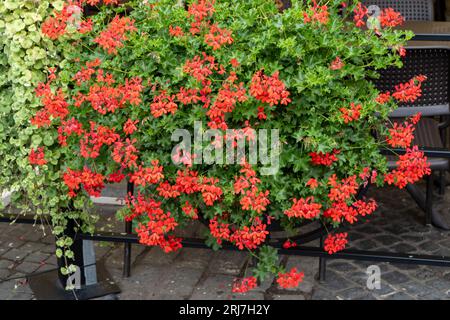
434, 103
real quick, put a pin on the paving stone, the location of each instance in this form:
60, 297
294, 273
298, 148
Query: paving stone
341, 266
355, 293
394, 277
425, 274
14, 254
309, 266
37, 257
336, 282
397, 296
193, 258
387, 239
416, 289
6, 264
14, 244
230, 262
4, 273
177, 283
403, 248
27, 267
320, 293
406, 267
156, 257
354, 236
429, 246
218, 287
367, 244
439, 284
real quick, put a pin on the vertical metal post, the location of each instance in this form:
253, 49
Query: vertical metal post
322, 263
127, 246
429, 199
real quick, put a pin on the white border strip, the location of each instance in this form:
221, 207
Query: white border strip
108, 200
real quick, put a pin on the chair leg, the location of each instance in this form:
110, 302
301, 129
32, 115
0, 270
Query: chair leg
322, 264
429, 199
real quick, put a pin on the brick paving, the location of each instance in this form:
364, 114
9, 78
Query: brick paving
398, 226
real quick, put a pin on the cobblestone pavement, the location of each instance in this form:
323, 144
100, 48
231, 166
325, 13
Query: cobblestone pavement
398, 226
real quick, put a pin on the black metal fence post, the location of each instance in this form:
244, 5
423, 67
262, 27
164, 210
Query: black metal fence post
128, 230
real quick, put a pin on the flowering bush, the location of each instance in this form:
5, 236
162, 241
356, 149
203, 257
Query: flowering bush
139, 71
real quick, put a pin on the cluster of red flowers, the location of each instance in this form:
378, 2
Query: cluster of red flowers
359, 14
219, 230
390, 18
290, 279
269, 89
149, 175
92, 141
114, 35
102, 96
176, 31
190, 211
351, 114
337, 64
342, 191
37, 157
316, 13
215, 36
154, 232
200, 67
244, 285
225, 102
250, 237
335, 243
383, 97
324, 159
289, 244
210, 192
56, 26
312, 183
55, 106
409, 91
247, 185
244, 237
163, 104
91, 181
401, 135
411, 167
125, 153
304, 208
67, 128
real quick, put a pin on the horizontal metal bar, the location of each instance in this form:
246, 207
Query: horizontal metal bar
302, 251
431, 37
309, 251
363, 255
